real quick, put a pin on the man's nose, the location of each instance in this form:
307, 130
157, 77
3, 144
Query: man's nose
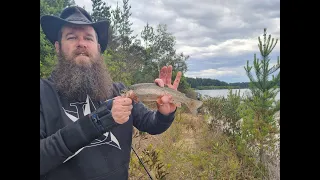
82, 43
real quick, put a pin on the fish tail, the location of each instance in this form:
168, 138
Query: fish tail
193, 105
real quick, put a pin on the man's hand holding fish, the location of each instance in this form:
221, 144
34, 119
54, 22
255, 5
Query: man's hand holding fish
165, 103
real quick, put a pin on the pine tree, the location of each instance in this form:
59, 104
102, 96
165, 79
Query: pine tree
259, 127
125, 27
147, 35
116, 20
261, 86
100, 11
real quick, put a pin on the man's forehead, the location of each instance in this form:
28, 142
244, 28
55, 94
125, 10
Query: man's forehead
73, 27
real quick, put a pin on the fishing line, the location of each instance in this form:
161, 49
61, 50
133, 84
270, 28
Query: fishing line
142, 163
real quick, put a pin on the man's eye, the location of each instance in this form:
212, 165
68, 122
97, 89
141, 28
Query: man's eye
71, 38
89, 38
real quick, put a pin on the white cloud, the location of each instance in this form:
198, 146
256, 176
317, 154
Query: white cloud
218, 73
222, 34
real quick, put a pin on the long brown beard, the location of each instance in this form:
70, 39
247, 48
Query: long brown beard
75, 81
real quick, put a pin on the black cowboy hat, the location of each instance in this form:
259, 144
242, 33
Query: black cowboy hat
51, 25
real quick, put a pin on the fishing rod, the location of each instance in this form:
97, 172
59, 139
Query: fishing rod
142, 163
110, 102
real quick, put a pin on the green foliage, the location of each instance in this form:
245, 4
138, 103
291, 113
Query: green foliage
46, 56
47, 52
196, 82
159, 51
224, 115
230, 111
116, 67
69, 3
255, 136
261, 87
163, 47
216, 87
100, 11
152, 160
214, 107
224, 112
259, 125
125, 30
196, 152
52, 7
206, 83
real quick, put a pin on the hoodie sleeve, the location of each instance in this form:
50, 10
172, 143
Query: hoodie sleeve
56, 148
152, 122
146, 120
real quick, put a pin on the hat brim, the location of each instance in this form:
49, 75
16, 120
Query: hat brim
51, 26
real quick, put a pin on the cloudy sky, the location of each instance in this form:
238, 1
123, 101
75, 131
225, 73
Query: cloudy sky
218, 35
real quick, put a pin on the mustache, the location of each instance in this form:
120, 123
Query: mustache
77, 52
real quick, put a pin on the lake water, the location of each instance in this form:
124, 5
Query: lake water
224, 92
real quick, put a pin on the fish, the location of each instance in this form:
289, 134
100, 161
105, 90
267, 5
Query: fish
148, 92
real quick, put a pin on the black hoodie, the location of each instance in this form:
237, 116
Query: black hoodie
72, 147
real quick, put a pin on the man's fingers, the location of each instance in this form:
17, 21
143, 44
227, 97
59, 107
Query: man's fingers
159, 82
117, 97
127, 108
123, 101
166, 76
166, 99
126, 101
163, 73
121, 108
125, 114
170, 86
177, 80
169, 75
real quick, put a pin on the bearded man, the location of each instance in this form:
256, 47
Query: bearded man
85, 124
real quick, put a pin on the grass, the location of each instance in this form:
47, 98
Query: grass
190, 149
207, 146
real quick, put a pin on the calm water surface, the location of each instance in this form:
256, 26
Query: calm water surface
224, 92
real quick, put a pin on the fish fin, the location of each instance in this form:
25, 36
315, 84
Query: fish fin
193, 105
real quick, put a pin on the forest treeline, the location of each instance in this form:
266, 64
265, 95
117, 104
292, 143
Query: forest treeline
207, 83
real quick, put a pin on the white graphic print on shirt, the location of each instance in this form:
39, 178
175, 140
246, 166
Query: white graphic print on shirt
80, 109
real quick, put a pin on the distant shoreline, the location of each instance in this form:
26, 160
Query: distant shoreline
219, 88
225, 92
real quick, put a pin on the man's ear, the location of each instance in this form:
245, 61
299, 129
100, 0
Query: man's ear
99, 48
57, 46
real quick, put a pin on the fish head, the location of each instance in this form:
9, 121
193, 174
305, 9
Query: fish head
128, 93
